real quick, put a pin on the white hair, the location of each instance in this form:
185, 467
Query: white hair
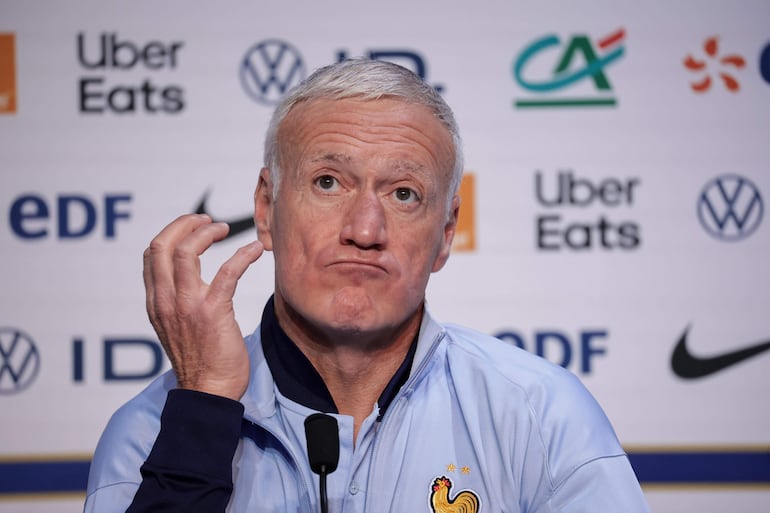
365, 79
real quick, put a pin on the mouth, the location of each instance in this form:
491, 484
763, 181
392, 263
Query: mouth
358, 267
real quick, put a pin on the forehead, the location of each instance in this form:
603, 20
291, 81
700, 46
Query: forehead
313, 127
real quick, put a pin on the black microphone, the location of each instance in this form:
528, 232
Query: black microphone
323, 449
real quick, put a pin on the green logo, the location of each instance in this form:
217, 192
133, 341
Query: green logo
579, 63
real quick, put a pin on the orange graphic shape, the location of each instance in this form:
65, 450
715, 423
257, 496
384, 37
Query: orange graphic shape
702, 86
692, 64
612, 38
711, 46
465, 236
7, 74
734, 60
730, 82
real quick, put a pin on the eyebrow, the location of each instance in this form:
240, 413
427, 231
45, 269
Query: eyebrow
332, 157
410, 166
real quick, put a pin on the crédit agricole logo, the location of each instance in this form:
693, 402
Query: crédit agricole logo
568, 73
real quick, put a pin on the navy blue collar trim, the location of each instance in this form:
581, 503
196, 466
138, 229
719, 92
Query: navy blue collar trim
298, 380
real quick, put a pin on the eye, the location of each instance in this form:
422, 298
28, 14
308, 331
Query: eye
327, 183
405, 195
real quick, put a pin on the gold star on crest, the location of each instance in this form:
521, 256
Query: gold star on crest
451, 467
465, 470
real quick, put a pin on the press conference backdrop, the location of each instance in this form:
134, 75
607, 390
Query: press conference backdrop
614, 214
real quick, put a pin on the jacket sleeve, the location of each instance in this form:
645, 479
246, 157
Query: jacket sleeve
190, 465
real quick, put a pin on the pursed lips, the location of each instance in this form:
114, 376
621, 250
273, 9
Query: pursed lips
354, 265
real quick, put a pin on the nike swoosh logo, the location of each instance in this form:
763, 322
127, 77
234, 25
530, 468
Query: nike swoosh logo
686, 365
237, 226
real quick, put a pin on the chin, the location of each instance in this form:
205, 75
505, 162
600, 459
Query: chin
351, 305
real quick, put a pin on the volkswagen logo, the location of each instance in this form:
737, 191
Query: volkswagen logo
270, 69
730, 207
19, 361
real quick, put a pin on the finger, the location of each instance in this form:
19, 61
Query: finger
225, 281
159, 259
157, 271
149, 286
186, 261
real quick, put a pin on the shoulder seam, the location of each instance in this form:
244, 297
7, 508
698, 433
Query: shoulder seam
587, 462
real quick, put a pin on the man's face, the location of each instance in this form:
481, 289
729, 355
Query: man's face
361, 218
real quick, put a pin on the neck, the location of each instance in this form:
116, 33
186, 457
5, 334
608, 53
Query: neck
356, 367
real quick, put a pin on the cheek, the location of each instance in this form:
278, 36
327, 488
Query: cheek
288, 245
432, 242
302, 240
417, 261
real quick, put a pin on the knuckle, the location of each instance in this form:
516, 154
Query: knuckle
229, 270
181, 252
156, 247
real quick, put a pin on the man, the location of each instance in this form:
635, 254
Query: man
358, 203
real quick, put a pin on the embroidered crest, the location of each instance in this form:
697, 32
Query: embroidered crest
464, 501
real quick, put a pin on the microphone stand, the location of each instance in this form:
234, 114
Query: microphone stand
322, 486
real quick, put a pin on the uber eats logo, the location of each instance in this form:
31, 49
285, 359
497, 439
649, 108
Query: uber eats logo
128, 77
583, 213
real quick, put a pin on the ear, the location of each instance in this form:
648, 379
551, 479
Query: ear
448, 236
263, 208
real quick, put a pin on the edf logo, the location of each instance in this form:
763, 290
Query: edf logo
533, 60
561, 348
68, 216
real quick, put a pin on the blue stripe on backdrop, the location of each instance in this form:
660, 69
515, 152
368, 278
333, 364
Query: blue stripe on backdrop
43, 476
702, 467
651, 468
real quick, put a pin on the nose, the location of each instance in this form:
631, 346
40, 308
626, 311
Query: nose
364, 222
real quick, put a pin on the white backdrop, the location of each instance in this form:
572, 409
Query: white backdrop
595, 234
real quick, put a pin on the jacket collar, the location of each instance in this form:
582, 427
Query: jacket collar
277, 361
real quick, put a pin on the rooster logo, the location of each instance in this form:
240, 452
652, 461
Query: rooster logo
464, 502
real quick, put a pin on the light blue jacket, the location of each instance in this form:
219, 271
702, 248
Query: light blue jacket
479, 423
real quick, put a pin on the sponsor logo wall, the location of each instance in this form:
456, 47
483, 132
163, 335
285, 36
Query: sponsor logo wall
613, 216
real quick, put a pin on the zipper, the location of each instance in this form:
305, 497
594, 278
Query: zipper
293, 460
399, 400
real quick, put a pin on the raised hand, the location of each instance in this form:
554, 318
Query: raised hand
195, 321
